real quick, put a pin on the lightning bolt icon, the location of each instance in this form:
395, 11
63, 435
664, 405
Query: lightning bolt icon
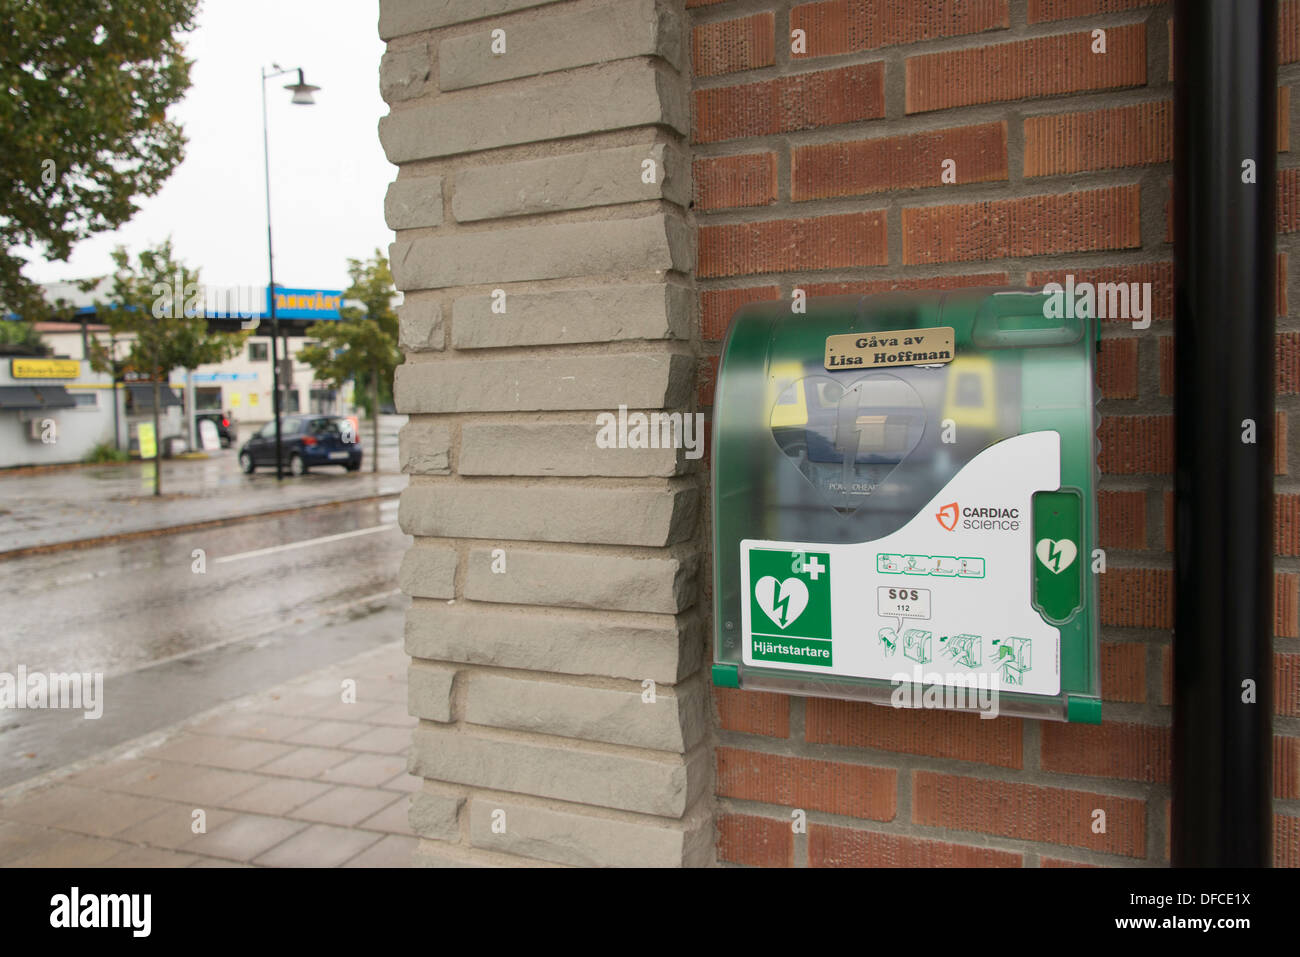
782, 605
1054, 556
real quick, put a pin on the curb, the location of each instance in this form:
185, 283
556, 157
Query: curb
118, 537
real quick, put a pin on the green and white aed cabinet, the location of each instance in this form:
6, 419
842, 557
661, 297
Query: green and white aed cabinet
904, 502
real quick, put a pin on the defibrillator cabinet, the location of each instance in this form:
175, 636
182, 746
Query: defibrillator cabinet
904, 502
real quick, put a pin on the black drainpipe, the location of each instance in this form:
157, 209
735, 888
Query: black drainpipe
1225, 112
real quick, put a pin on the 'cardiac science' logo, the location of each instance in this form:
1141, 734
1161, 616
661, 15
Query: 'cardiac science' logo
947, 516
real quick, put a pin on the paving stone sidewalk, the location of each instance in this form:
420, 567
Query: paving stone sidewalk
289, 777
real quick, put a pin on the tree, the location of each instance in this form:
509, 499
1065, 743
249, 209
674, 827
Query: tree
362, 343
157, 303
83, 123
20, 338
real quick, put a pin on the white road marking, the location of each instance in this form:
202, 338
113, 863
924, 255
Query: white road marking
258, 553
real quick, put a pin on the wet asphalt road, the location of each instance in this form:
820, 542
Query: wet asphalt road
272, 604
40, 508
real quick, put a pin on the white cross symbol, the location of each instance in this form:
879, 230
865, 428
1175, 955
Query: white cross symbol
813, 567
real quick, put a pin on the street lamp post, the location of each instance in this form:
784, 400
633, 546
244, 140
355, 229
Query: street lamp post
302, 95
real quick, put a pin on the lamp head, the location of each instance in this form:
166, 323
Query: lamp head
302, 91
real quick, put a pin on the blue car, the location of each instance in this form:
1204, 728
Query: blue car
305, 441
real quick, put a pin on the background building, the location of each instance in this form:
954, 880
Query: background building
800, 146
52, 410
241, 386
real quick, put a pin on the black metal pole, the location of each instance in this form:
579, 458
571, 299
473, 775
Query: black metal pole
270, 293
1225, 143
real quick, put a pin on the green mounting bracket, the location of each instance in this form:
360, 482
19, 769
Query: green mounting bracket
726, 676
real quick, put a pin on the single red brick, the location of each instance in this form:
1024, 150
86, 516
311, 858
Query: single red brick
847, 847
1117, 369
1134, 135
1041, 10
1122, 519
1159, 275
1137, 597
753, 712
1166, 365
725, 181
1286, 525
940, 734
861, 167
1134, 752
1279, 443
1136, 444
1288, 363
1288, 31
726, 46
1280, 293
1167, 675
788, 245
717, 306
1029, 812
874, 286
1286, 767
756, 841
1286, 841
802, 101
1288, 200
1286, 605
1286, 685
835, 27
1080, 221
855, 790
1042, 66
1169, 830
1123, 671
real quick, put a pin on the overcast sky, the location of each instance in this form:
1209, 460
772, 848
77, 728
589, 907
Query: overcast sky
328, 172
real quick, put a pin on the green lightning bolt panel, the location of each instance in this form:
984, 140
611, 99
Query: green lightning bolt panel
904, 502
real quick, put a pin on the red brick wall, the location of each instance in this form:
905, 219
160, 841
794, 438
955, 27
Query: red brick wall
822, 172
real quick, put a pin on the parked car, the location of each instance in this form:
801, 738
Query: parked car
227, 431
306, 441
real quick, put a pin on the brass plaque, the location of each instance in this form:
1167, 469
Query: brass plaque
892, 347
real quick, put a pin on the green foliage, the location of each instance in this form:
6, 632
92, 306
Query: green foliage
362, 344
21, 339
149, 301
83, 123
154, 302
104, 452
